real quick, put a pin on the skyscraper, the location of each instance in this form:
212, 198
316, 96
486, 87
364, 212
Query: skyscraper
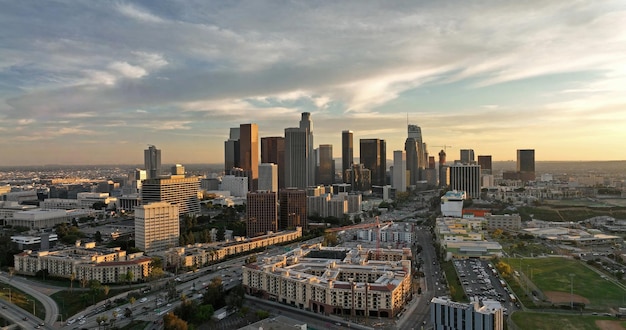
273, 151
466, 178
268, 177
443, 169
249, 152
262, 213
156, 226
412, 160
399, 170
175, 189
526, 164
296, 158
293, 210
307, 124
326, 168
467, 156
347, 152
485, 163
374, 157
231, 150
152, 162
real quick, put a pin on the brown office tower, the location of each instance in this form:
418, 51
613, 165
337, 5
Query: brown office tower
292, 209
273, 151
431, 161
374, 157
249, 151
347, 152
326, 167
526, 164
485, 164
262, 209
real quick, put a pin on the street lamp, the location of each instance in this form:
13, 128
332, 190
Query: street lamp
9, 293
33, 305
571, 290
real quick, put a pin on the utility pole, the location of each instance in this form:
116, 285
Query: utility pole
571, 290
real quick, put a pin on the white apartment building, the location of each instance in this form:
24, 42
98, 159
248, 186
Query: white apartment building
268, 177
447, 314
157, 226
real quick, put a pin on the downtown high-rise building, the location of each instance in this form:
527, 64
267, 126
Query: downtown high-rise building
296, 157
399, 171
485, 163
526, 164
157, 226
293, 209
176, 189
152, 162
465, 177
307, 124
273, 151
347, 152
373, 155
249, 152
262, 213
467, 156
411, 149
231, 150
359, 178
326, 167
268, 177
443, 169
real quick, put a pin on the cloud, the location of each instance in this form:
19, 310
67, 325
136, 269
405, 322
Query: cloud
137, 13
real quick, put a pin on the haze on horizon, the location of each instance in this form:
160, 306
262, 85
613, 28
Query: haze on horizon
84, 82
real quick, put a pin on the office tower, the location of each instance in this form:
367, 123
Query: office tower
307, 124
175, 189
412, 163
467, 156
415, 132
431, 162
526, 164
359, 178
292, 209
373, 157
399, 170
152, 162
249, 152
268, 177
443, 169
236, 185
133, 183
262, 213
156, 226
485, 164
466, 178
296, 158
326, 168
347, 152
273, 151
178, 169
231, 150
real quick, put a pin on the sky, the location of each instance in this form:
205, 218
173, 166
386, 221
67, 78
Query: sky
96, 82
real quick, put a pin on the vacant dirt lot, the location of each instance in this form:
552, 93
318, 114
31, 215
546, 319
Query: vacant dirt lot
557, 297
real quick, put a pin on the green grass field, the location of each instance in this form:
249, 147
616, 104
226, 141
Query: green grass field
543, 321
552, 274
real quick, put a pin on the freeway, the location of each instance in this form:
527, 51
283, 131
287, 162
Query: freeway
37, 291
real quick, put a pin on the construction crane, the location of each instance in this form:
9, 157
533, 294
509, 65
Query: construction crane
445, 147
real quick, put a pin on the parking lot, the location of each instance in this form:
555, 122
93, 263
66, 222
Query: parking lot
481, 281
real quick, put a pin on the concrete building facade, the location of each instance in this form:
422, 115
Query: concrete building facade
157, 226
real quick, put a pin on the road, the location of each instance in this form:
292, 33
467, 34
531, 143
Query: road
37, 291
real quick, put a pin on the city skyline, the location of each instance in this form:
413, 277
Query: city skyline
116, 77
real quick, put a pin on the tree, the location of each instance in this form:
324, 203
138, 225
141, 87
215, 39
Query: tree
235, 297
221, 234
72, 278
330, 239
504, 268
128, 313
172, 322
98, 236
128, 277
203, 313
132, 300
106, 289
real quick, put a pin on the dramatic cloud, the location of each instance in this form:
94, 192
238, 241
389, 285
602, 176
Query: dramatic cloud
494, 77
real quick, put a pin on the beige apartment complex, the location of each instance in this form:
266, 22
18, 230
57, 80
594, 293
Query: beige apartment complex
157, 226
85, 262
340, 281
199, 255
